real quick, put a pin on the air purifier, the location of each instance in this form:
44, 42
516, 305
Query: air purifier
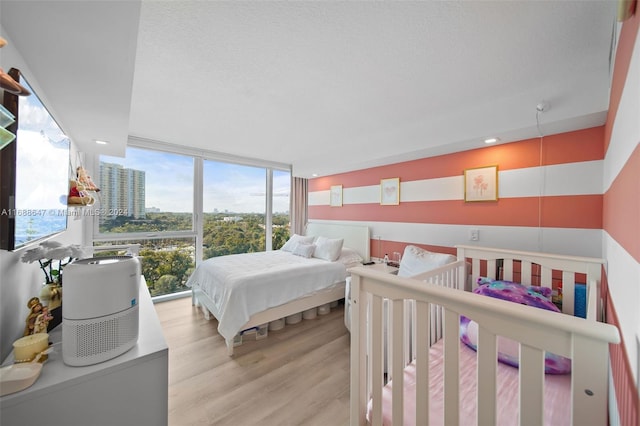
99, 309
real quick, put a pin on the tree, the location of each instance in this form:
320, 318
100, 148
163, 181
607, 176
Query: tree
280, 236
166, 284
157, 263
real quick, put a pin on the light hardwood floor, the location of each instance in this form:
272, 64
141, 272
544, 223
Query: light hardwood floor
296, 376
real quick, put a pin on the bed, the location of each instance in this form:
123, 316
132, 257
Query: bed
248, 291
434, 376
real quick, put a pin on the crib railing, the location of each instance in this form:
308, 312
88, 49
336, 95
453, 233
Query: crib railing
537, 269
585, 342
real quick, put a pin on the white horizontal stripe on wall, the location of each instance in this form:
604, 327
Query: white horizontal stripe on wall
623, 276
438, 189
583, 178
569, 241
319, 198
362, 194
625, 134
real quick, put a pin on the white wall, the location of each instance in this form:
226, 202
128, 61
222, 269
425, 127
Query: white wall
623, 272
20, 281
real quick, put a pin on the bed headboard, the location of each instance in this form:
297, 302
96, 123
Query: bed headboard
355, 237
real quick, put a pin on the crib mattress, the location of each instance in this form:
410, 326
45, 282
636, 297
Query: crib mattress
557, 392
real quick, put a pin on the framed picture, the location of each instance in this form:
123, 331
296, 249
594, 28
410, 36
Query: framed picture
481, 184
335, 197
390, 192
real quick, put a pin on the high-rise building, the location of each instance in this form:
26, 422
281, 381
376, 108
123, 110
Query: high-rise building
122, 191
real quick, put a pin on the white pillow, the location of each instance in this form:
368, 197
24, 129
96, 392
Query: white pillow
328, 249
304, 250
294, 240
349, 257
416, 261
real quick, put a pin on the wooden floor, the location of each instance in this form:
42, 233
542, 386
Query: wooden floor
296, 376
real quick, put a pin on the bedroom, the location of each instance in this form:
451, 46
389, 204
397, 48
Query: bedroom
610, 233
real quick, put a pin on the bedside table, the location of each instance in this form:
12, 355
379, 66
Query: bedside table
381, 267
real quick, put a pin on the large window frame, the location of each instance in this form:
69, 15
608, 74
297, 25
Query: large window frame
199, 156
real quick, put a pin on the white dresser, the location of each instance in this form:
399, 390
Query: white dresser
131, 389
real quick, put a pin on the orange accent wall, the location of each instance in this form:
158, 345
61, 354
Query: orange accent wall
626, 392
578, 211
621, 220
571, 211
570, 147
621, 206
626, 43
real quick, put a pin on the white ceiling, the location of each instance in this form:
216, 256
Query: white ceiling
325, 86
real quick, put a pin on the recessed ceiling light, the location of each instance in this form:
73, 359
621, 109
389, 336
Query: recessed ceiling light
314, 174
491, 140
101, 142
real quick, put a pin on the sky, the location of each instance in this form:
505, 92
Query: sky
42, 171
40, 144
231, 187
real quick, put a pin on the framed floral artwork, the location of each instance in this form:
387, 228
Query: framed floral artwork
481, 184
390, 192
335, 196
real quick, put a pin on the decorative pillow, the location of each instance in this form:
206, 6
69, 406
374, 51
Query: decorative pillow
294, 240
304, 250
508, 350
349, 257
328, 249
416, 261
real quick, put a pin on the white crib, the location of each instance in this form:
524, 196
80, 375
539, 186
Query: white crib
427, 307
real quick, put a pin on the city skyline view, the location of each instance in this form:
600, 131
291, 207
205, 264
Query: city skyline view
227, 187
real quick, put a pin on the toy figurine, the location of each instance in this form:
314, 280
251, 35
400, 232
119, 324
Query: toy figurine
85, 180
42, 321
77, 195
35, 309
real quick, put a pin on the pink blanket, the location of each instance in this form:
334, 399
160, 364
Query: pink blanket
557, 393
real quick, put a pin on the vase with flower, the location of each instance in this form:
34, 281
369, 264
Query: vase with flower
52, 257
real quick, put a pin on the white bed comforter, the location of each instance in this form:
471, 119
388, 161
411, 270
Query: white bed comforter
241, 285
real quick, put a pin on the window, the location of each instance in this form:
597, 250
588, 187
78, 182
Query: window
147, 191
148, 198
281, 204
234, 209
166, 263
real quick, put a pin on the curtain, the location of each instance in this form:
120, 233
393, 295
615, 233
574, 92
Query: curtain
299, 202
